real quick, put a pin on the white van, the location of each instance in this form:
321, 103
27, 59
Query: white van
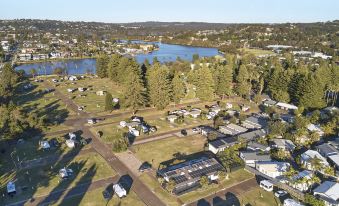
266, 185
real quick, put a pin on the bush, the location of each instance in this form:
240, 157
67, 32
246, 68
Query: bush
120, 145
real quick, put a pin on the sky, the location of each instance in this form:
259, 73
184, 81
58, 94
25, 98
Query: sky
217, 11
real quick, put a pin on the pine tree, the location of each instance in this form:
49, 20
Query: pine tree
8, 79
108, 102
101, 65
159, 86
135, 92
112, 71
204, 84
243, 85
223, 80
178, 86
311, 92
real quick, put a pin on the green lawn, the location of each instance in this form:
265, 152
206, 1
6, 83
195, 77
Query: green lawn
163, 150
154, 185
91, 102
43, 180
234, 178
257, 52
260, 197
95, 197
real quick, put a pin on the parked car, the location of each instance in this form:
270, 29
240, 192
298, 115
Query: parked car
195, 130
280, 193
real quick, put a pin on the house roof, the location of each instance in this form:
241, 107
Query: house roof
274, 166
310, 154
335, 159
252, 135
328, 189
223, 142
256, 145
250, 155
284, 143
285, 105
305, 173
326, 149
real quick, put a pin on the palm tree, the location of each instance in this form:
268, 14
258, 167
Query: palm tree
316, 163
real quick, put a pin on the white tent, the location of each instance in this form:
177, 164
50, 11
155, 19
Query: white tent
11, 188
44, 145
70, 143
119, 190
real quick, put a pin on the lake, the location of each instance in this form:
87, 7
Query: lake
166, 53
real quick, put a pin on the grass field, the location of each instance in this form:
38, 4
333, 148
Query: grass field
257, 52
166, 149
43, 180
91, 102
95, 197
258, 197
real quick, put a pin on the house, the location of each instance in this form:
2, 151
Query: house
255, 146
283, 144
11, 188
286, 106
287, 118
272, 169
65, 173
308, 156
187, 175
250, 136
328, 192
251, 158
255, 122
132, 125
326, 150
232, 129
134, 132
119, 190
100, 93
302, 185
221, 144
269, 103
171, 118
315, 128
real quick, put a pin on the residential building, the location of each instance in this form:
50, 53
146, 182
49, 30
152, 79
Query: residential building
286, 106
315, 128
326, 150
255, 146
302, 180
250, 136
255, 122
307, 159
232, 129
328, 192
186, 175
272, 169
283, 144
251, 158
221, 144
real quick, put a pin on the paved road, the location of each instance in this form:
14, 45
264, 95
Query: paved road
237, 190
143, 192
67, 193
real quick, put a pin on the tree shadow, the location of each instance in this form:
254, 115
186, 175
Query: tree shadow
231, 199
203, 202
126, 181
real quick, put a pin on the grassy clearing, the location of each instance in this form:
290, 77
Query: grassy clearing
95, 197
154, 185
43, 180
166, 149
258, 196
91, 102
257, 52
234, 177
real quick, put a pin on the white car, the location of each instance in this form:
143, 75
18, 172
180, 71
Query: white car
195, 130
280, 193
80, 108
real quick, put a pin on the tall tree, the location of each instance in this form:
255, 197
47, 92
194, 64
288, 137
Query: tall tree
223, 76
204, 84
8, 79
101, 65
179, 89
310, 92
243, 85
159, 86
112, 67
135, 92
108, 102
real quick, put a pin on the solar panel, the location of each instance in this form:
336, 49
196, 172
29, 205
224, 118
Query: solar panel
171, 173
180, 179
